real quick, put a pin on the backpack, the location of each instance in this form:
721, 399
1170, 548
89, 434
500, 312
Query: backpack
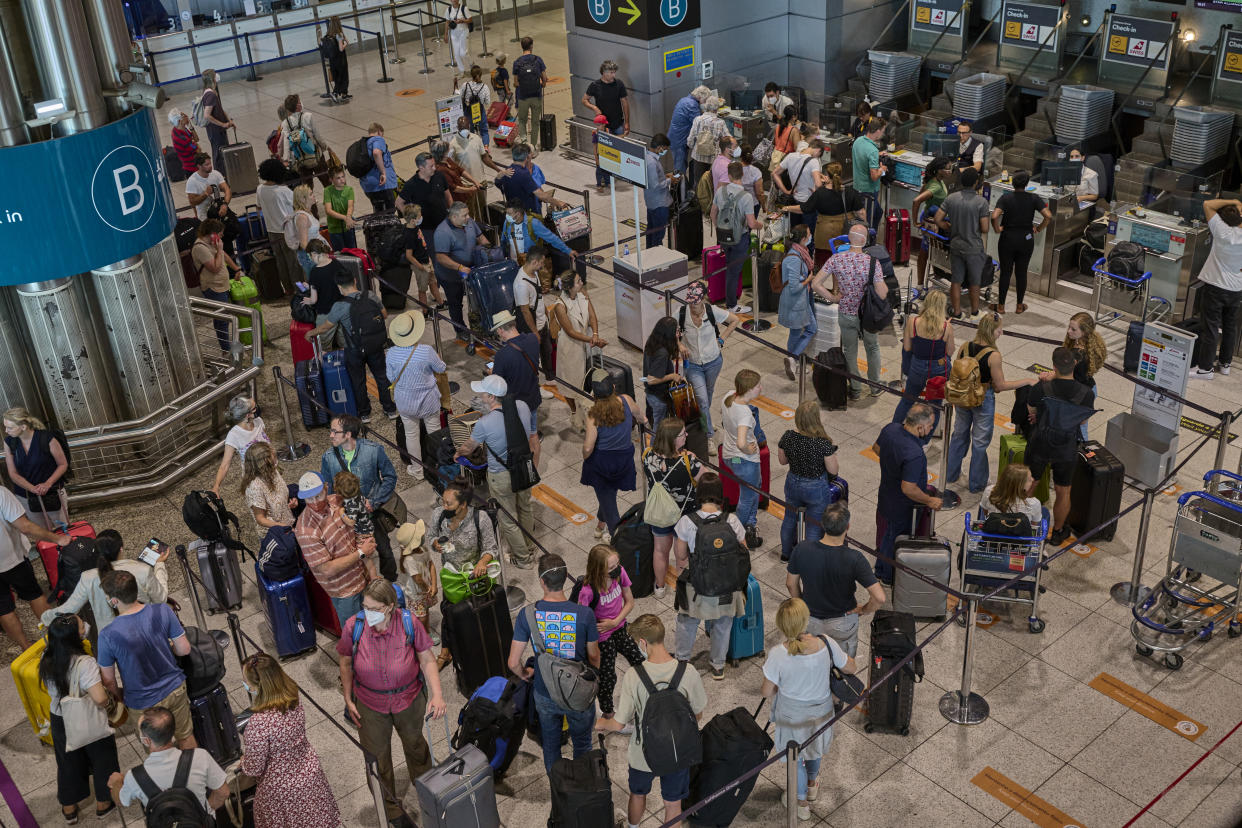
494, 721
302, 149
175, 805
358, 158
273, 142
526, 71
661, 509
730, 223
360, 623
1126, 259
366, 319
572, 685
279, 558
706, 145
668, 730
74, 559
704, 192
575, 594
1013, 524
874, 314
198, 114
965, 386
204, 665
1056, 427
205, 516
720, 565
301, 309
390, 244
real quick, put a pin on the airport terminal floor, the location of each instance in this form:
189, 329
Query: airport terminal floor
1082, 729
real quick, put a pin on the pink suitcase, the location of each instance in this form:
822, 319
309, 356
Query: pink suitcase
714, 269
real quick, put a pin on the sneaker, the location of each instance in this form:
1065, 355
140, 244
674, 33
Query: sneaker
627, 730
392, 415
414, 471
718, 673
545, 393
753, 541
804, 811
658, 592
1059, 536
522, 563
812, 791
366, 418
791, 368
854, 395
1223, 369
1200, 374
876, 391
740, 309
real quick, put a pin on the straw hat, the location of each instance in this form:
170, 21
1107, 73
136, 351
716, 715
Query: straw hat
410, 536
406, 328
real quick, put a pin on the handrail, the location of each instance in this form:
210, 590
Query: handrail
273, 30
1098, 31
957, 14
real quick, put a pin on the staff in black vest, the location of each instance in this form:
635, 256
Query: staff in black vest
969, 149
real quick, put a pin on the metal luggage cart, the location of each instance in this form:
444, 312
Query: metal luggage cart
1200, 589
940, 267
1125, 297
991, 560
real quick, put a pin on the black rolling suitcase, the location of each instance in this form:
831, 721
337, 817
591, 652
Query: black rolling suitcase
1134, 347
635, 547
482, 633
768, 300
697, 442
394, 285
1096, 493
312, 398
172, 165
733, 743
831, 387
220, 573
215, 727
621, 373
581, 791
891, 702
547, 132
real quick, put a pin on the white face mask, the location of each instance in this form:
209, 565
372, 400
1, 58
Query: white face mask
772, 99
643, 651
464, 133
417, 221
737, 152
374, 617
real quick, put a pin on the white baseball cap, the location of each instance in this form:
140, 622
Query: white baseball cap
491, 384
309, 485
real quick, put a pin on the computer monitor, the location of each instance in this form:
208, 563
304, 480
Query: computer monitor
941, 146
1062, 173
836, 121
746, 99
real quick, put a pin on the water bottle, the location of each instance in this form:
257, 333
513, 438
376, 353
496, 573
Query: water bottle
626, 250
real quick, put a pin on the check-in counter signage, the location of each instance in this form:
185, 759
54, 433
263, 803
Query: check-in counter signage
1139, 41
1030, 25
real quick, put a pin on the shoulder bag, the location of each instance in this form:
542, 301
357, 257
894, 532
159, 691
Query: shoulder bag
85, 721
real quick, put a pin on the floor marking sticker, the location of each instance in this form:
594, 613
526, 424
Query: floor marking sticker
1023, 801
1141, 703
773, 407
410, 93
776, 510
560, 504
869, 454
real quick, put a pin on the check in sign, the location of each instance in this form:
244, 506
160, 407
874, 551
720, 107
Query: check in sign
623, 157
675, 60
119, 204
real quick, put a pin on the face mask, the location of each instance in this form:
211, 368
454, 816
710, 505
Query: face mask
737, 152
374, 617
246, 687
642, 651
615, 572
417, 222
464, 133
86, 629
771, 99
661, 153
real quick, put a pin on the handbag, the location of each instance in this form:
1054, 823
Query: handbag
874, 314
934, 389
458, 585
85, 721
391, 513
846, 689
49, 501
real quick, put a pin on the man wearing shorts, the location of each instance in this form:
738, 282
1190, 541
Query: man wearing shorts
16, 573
137, 644
964, 218
1057, 447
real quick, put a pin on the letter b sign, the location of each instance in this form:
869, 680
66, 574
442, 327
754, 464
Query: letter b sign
123, 189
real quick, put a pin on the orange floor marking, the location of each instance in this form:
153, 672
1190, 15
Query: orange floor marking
1004, 422
1140, 702
869, 454
773, 407
556, 392
560, 504
776, 510
1021, 800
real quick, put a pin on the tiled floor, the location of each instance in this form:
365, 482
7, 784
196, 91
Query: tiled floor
1077, 750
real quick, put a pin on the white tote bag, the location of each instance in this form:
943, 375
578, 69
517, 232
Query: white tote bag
85, 721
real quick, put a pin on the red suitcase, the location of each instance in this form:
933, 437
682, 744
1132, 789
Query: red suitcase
497, 112
897, 235
302, 350
50, 552
714, 262
506, 133
322, 610
730, 483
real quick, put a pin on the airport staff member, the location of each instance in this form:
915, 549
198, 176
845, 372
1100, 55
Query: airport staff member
969, 149
1089, 185
868, 170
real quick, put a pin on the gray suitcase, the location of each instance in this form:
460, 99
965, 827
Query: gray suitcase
239, 168
931, 557
458, 792
354, 265
220, 573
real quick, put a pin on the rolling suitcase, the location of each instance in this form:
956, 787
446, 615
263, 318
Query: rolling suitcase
458, 792
215, 727
506, 133
497, 112
547, 132
31, 691
302, 349
770, 258
831, 387
732, 488
746, 639
635, 547
490, 289
827, 328
261, 264
1012, 450
338, 389
220, 574
714, 264
384, 237
1134, 347
244, 292
287, 607
394, 285
897, 236
239, 168
697, 442
733, 744
357, 268
1096, 494
483, 628
929, 555
622, 374
312, 398
253, 229
581, 791
49, 552
688, 231
172, 166
891, 702
323, 611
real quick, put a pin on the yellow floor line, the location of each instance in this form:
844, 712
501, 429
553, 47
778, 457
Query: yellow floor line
560, 504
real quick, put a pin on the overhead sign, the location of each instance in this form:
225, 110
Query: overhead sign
938, 15
641, 19
1030, 25
623, 157
122, 205
1140, 41
677, 60
1230, 66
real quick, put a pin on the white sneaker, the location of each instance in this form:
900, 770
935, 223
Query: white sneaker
659, 593
415, 472
1200, 374
545, 393
740, 309
1223, 370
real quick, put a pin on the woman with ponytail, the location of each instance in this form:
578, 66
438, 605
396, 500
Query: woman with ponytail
152, 580
935, 191
740, 446
834, 206
796, 677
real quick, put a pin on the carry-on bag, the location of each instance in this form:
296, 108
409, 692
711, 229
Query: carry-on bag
215, 726
1013, 450
891, 702
929, 555
494, 721
746, 639
244, 291
287, 607
458, 791
1095, 497
714, 264
733, 744
497, 112
482, 634
635, 546
32, 692
220, 573
547, 132
338, 387
240, 169
831, 386
581, 791
312, 396
323, 611
621, 373
49, 552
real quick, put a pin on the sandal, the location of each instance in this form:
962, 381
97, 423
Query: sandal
101, 814
1021, 307
70, 817
444, 659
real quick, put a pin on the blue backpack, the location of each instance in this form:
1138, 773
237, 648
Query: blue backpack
280, 559
494, 721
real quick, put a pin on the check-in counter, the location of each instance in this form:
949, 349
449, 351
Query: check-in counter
907, 182
1176, 247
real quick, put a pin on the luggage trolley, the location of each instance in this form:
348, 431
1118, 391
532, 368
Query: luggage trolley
940, 266
1125, 295
1206, 546
990, 560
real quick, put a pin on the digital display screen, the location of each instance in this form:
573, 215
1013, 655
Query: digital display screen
1215, 5
908, 173
1152, 238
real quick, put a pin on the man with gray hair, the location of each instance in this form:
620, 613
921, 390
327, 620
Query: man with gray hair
684, 113
903, 483
203, 775
850, 270
455, 241
518, 182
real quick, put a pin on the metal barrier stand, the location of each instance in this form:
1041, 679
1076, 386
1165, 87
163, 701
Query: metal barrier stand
293, 451
962, 706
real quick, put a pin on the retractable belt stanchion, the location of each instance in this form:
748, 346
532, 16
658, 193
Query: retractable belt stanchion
513, 594
948, 498
483, 28
293, 450
791, 784
422, 46
1226, 420
1131, 592
448, 39
754, 324
962, 706
220, 636
395, 57
801, 377
381, 38
517, 35
327, 85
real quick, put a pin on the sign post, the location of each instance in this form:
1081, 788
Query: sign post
621, 157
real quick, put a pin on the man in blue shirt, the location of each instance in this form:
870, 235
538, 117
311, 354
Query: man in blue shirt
359, 355
903, 482
377, 477
519, 182
489, 431
380, 183
517, 361
868, 170
569, 630
137, 644
455, 240
523, 231
684, 113
656, 194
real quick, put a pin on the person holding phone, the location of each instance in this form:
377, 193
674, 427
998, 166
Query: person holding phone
213, 266
149, 571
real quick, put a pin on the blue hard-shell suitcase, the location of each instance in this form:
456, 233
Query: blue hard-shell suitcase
747, 638
215, 727
287, 607
336, 383
308, 376
490, 288
838, 490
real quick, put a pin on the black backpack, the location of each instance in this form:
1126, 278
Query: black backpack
358, 158
720, 565
526, 71
390, 244
366, 319
301, 309
204, 665
1056, 427
205, 516
520, 460
668, 730
74, 559
576, 593
175, 806
279, 557
1126, 259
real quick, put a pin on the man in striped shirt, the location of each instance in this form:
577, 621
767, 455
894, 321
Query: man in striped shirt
330, 549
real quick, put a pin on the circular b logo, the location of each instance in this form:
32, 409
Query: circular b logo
600, 10
672, 12
123, 189
1187, 727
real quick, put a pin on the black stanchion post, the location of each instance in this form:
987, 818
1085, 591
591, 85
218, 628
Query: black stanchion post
755, 324
422, 46
517, 35
254, 75
483, 28
327, 84
383, 54
235, 629
1226, 420
1131, 592
195, 603
962, 706
948, 497
395, 57
801, 377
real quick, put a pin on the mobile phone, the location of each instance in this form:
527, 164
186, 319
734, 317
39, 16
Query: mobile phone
491, 366
302, 286
152, 552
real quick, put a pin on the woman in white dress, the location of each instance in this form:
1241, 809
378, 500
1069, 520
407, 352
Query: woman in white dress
457, 32
243, 411
577, 338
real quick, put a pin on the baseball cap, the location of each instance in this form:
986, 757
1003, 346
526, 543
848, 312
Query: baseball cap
309, 485
491, 384
601, 119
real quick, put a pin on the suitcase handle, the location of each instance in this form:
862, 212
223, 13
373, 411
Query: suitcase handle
427, 727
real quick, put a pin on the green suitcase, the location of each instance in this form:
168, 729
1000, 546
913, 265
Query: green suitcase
244, 292
1013, 450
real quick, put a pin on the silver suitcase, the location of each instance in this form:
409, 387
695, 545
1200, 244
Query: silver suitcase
458, 792
930, 557
239, 168
220, 573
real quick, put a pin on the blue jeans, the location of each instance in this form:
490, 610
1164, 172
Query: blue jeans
808, 771
658, 411
871, 210
811, 492
972, 430
702, 379
581, 726
601, 177
607, 513
892, 527
747, 498
800, 338
347, 608
680, 154
851, 332
735, 260
304, 260
657, 217
222, 325
720, 631
340, 241
916, 381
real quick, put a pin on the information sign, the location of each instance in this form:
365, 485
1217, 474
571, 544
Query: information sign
623, 157
1164, 361
1028, 25
939, 15
1139, 41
